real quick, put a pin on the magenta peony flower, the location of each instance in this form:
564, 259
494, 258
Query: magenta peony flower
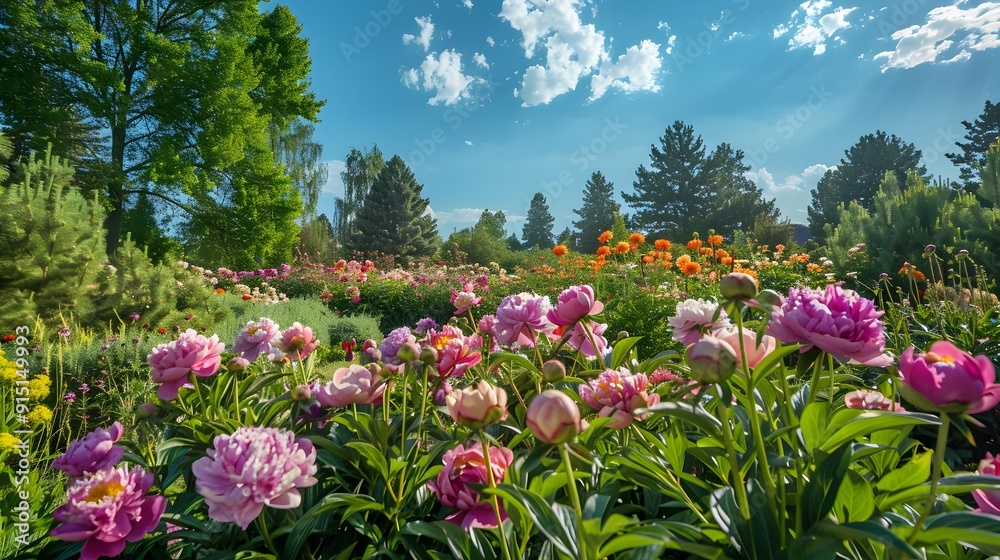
190, 353
617, 393
694, 318
988, 500
865, 399
442, 392
351, 385
255, 339
573, 304
424, 325
948, 379
454, 350
837, 321
392, 343
754, 352
297, 341
95, 452
520, 317
108, 509
252, 468
578, 339
462, 467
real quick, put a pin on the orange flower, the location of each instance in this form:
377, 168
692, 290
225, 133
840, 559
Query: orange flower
813, 267
715, 240
705, 251
648, 259
603, 251
745, 271
220, 292
605, 237
691, 268
694, 244
682, 261
637, 238
779, 248
721, 254
662, 245
728, 261
559, 250
917, 275
622, 247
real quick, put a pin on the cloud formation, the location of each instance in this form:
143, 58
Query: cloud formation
923, 44
813, 24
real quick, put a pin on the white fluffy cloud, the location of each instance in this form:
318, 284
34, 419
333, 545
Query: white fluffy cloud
441, 74
802, 182
480, 60
467, 4
426, 33
813, 25
920, 44
490, 41
573, 51
634, 71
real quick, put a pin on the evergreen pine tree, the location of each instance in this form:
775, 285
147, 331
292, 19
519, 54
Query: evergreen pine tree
538, 224
566, 238
980, 135
53, 243
597, 212
393, 218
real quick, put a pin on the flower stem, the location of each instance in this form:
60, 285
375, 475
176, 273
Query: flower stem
494, 500
734, 463
814, 383
574, 497
939, 449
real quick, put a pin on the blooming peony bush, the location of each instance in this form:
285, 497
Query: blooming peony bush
521, 431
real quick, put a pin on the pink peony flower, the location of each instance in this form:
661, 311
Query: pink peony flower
520, 317
255, 339
754, 352
694, 318
486, 324
95, 452
837, 321
297, 341
988, 500
108, 509
252, 468
392, 343
554, 417
462, 467
573, 304
454, 350
578, 339
477, 406
190, 353
949, 379
351, 385
710, 360
464, 300
617, 393
865, 399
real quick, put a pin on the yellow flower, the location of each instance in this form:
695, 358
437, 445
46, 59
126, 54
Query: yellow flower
8, 371
38, 387
8, 442
39, 416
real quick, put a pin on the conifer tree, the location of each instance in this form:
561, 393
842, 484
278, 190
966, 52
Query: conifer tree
980, 135
538, 224
394, 218
597, 212
361, 169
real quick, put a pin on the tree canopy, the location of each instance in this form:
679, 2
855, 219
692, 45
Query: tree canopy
538, 224
394, 218
980, 134
596, 213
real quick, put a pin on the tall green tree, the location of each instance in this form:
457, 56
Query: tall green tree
538, 223
484, 242
859, 175
361, 169
183, 92
597, 212
687, 189
980, 134
394, 218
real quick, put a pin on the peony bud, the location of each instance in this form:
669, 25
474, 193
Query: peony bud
711, 360
301, 393
769, 298
554, 417
238, 363
477, 406
738, 286
408, 352
428, 355
622, 335
553, 371
145, 410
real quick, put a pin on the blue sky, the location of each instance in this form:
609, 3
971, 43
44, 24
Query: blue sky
492, 101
